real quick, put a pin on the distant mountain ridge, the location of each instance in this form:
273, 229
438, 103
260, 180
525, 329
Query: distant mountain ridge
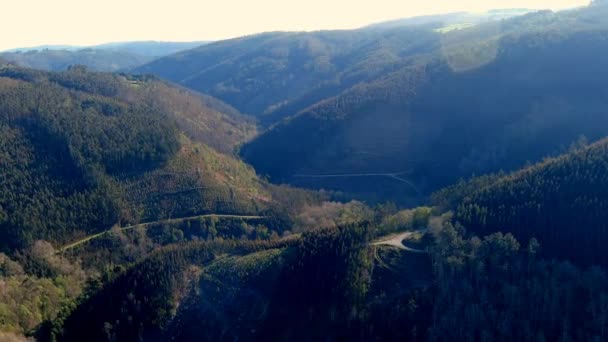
106, 57
151, 48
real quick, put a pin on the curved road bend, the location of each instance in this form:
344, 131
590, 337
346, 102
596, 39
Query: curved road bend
396, 240
392, 175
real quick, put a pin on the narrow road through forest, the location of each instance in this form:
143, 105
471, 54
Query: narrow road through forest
147, 224
392, 175
396, 240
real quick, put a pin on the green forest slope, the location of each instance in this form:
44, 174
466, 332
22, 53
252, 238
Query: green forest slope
561, 202
475, 108
82, 151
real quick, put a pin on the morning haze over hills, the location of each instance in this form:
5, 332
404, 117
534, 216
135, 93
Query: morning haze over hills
105, 57
435, 178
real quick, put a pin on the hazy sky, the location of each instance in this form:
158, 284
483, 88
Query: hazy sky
85, 22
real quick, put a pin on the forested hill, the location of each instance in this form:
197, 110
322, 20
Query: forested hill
331, 284
474, 108
127, 215
83, 151
562, 202
273, 74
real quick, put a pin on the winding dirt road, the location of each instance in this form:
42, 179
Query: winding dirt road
396, 240
398, 176
147, 224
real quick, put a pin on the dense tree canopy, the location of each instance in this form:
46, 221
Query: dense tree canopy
60, 146
485, 102
83, 151
328, 284
156, 231
561, 202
